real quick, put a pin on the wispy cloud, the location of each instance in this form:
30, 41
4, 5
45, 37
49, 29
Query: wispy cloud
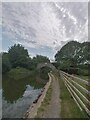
36, 25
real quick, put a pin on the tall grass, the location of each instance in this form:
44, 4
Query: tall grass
69, 108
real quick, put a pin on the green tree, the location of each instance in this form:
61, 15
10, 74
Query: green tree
18, 56
6, 65
32, 64
0, 70
41, 59
73, 54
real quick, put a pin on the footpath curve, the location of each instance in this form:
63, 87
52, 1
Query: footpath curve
53, 109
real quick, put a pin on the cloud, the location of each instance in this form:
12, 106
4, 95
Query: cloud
36, 25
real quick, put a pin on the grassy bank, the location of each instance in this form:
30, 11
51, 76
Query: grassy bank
19, 73
69, 108
45, 103
87, 78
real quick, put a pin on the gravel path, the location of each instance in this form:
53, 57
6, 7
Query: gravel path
53, 109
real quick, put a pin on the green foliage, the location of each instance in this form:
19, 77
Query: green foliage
74, 54
6, 65
84, 72
56, 64
40, 59
0, 64
67, 51
18, 56
18, 73
32, 64
22, 65
14, 89
44, 73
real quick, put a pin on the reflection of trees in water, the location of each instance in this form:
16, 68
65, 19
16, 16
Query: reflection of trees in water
14, 89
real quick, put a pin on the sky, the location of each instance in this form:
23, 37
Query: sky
43, 27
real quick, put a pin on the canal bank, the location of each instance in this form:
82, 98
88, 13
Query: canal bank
32, 111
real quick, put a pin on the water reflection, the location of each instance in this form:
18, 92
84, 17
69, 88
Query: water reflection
18, 108
18, 95
14, 89
0, 104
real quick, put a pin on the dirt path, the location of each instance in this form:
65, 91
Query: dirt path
53, 109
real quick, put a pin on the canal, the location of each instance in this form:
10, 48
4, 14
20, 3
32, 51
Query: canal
18, 95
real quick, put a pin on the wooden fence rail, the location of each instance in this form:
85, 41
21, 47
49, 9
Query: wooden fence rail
79, 93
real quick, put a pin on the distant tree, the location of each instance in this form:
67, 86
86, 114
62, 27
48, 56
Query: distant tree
41, 59
18, 56
0, 63
32, 63
6, 65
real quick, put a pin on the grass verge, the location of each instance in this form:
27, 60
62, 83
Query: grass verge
87, 78
69, 109
45, 103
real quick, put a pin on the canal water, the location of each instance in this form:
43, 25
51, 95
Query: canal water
0, 103
0, 97
17, 96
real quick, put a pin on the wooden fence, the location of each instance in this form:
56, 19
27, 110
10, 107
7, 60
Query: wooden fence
79, 90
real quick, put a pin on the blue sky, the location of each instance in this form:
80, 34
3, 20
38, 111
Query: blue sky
46, 51
43, 28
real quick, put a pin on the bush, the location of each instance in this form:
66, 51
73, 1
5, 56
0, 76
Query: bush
44, 73
18, 73
6, 65
83, 72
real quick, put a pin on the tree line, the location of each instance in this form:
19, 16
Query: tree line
18, 56
72, 57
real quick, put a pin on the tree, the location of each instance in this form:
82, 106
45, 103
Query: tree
0, 63
32, 63
6, 65
41, 59
18, 56
73, 54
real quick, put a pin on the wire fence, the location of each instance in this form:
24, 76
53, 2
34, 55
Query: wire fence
79, 90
